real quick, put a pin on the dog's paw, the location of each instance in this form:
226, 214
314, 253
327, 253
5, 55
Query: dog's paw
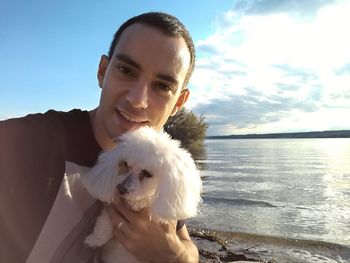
94, 241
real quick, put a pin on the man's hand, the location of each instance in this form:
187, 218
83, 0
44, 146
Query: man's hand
147, 240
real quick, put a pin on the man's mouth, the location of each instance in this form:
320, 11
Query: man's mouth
131, 119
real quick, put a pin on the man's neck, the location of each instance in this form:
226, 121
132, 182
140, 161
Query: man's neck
100, 136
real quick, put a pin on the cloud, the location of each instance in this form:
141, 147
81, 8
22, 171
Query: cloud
264, 69
345, 69
266, 7
249, 111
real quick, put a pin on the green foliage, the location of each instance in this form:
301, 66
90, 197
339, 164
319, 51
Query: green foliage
190, 130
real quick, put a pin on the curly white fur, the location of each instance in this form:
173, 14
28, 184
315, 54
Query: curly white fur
170, 187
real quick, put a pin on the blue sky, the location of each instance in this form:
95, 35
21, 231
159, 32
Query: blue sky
263, 65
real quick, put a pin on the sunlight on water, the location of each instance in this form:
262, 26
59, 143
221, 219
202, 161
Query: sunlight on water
297, 188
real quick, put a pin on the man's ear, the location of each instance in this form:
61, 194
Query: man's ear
102, 68
185, 93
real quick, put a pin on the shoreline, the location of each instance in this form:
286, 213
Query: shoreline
287, 135
219, 246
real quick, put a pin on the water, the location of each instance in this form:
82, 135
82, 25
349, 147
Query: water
294, 188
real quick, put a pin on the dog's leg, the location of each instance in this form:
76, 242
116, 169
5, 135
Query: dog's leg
102, 233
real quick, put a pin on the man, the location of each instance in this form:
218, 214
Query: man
45, 212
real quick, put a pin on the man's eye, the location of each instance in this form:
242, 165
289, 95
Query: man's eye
163, 87
146, 174
125, 70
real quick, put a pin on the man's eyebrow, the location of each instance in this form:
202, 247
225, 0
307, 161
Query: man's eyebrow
127, 59
168, 78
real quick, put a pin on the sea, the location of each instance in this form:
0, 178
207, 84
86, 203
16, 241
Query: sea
295, 189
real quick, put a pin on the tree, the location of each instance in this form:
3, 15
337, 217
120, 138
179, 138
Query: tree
190, 130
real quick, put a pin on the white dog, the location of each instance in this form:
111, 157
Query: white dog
145, 169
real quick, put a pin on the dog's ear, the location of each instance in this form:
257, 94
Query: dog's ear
100, 180
179, 190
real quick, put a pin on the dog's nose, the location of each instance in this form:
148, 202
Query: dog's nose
121, 189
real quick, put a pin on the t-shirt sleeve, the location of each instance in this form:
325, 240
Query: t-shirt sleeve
33, 153
28, 150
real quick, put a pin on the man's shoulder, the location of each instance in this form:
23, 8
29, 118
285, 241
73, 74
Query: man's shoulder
51, 116
49, 128
50, 121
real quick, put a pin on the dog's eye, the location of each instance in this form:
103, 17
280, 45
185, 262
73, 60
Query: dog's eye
146, 174
123, 167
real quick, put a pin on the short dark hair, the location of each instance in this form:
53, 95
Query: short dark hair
167, 24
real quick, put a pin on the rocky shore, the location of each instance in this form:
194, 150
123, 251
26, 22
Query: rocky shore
219, 246
215, 247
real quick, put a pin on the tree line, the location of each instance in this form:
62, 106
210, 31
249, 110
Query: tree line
190, 130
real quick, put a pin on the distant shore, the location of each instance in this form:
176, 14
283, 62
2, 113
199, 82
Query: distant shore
291, 135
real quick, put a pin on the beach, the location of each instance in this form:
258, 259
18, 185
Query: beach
220, 246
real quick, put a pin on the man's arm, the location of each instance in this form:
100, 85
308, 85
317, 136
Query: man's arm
150, 241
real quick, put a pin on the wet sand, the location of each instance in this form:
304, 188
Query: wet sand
219, 246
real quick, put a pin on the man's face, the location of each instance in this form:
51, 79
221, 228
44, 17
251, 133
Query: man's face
142, 83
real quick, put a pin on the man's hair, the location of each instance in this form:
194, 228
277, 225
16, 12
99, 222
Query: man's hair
167, 24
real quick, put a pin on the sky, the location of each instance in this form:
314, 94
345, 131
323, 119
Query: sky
263, 66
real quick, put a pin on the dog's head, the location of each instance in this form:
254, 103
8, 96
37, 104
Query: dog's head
149, 168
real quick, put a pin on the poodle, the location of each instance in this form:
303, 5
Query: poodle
146, 169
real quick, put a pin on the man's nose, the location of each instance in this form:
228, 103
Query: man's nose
138, 95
